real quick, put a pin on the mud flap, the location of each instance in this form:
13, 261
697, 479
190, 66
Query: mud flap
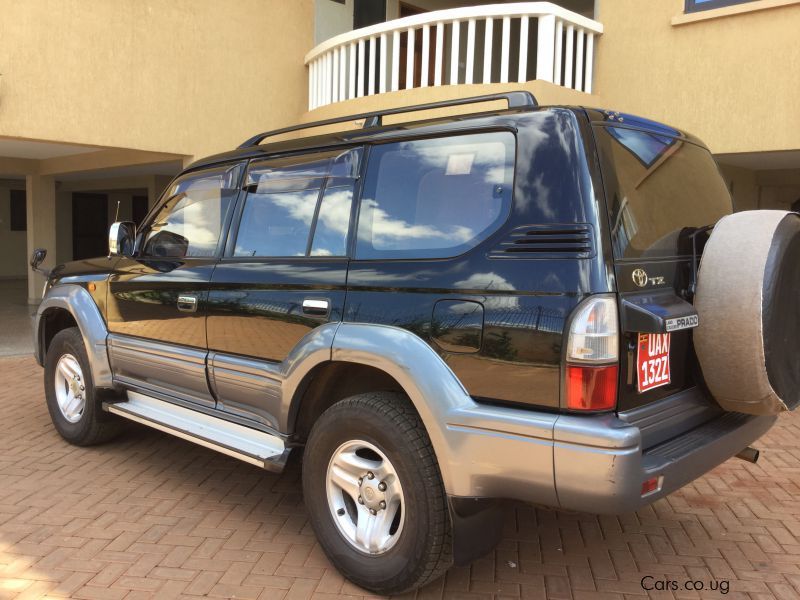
477, 527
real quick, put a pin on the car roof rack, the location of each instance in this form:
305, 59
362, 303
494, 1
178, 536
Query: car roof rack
518, 99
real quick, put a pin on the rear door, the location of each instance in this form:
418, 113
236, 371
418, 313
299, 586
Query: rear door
663, 192
283, 275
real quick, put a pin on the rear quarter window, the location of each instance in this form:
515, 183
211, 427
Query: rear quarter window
435, 198
659, 188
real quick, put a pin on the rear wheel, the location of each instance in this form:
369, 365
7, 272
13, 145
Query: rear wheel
71, 396
375, 495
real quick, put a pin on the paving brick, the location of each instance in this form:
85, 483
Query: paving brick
152, 516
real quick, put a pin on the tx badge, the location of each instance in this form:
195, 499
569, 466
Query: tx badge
641, 278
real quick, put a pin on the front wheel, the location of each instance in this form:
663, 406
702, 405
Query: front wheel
71, 396
375, 495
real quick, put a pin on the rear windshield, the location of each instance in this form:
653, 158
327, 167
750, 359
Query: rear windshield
659, 188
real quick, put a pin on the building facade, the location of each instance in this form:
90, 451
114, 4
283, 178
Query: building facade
101, 103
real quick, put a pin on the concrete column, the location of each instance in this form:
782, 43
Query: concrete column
156, 187
41, 205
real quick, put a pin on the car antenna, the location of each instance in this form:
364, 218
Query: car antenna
116, 219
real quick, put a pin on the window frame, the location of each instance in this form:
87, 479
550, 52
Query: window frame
692, 6
164, 198
421, 137
228, 253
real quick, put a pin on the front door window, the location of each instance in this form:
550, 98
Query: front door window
190, 222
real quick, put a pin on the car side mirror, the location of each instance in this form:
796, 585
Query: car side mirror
121, 238
37, 258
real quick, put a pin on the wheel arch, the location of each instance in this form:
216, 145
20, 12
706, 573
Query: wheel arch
329, 383
52, 320
367, 357
70, 305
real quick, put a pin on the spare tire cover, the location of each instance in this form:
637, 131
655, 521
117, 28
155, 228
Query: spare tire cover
748, 339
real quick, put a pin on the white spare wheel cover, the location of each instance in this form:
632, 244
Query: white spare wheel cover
747, 299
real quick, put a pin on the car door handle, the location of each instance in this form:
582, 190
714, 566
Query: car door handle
187, 303
316, 306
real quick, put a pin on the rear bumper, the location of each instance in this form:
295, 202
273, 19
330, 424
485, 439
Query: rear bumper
592, 475
594, 464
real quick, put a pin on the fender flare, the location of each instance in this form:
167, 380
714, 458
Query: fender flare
434, 390
79, 303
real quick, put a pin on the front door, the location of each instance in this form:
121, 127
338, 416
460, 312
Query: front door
89, 225
283, 275
157, 299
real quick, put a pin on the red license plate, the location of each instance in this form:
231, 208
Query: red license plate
652, 362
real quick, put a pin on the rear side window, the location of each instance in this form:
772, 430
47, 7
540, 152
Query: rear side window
435, 198
298, 206
659, 189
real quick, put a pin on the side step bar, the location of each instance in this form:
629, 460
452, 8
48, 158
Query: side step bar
252, 446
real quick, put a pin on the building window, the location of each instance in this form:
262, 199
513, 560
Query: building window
698, 5
19, 212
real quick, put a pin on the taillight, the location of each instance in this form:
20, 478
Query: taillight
592, 355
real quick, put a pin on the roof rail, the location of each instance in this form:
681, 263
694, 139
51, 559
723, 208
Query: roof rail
519, 99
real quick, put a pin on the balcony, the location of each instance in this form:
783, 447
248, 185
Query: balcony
497, 43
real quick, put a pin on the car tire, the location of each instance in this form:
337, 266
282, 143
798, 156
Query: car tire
72, 399
407, 541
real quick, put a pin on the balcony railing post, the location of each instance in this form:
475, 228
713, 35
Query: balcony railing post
505, 49
371, 78
487, 50
545, 51
335, 82
351, 84
570, 43
395, 60
426, 55
522, 75
410, 59
455, 49
557, 63
579, 62
342, 83
438, 61
382, 68
470, 67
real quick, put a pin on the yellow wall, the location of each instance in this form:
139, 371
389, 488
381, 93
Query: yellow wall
733, 81
743, 185
191, 77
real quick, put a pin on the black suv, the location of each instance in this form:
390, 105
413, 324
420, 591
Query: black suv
439, 314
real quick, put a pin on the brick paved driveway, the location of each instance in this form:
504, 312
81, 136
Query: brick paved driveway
153, 516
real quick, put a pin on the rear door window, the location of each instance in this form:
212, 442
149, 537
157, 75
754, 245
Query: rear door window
659, 189
435, 198
298, 206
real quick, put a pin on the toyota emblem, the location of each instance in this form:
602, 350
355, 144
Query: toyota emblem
639, 277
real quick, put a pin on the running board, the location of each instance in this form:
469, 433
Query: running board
250, 445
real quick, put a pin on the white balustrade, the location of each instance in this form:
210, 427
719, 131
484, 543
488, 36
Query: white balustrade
427, 50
